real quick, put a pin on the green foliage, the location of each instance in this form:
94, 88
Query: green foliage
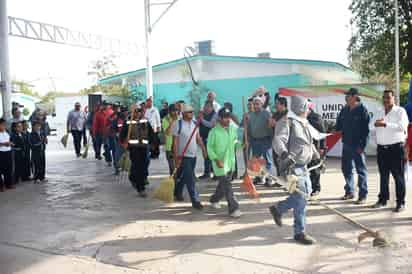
25, 88
372, 46
197, 95
26, 111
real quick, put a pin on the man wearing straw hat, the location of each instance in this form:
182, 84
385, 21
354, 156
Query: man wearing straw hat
186, 138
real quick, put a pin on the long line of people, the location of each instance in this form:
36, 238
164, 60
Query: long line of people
283, 138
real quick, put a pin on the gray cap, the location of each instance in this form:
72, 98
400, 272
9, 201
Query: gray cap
299, 104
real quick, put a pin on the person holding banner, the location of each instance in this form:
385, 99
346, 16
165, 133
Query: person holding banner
391, 132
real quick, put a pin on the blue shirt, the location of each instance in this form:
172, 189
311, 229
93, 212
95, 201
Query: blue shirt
354, 125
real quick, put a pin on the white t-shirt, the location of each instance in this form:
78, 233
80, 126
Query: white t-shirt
4, 138
185, 133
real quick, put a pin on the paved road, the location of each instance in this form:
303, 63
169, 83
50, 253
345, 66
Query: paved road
85, 221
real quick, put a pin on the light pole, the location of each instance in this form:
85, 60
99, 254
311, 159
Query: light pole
5, 86
397, 52
148, 32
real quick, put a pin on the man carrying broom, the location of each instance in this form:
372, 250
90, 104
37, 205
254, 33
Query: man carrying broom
138, 135
293, 143
221, 148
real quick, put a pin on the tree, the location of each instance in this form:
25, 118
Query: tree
371, 48
104, 67
25, 88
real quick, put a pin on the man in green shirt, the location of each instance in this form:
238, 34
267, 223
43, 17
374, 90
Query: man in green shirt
221, 146
168, 124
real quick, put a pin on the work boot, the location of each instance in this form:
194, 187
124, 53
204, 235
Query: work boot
215, 205
143, 194
197, 205
348, 196
399, 208
236, 214
304, 238
379, 204
277, 216
257, 181
204, 177
269, 182
360, 201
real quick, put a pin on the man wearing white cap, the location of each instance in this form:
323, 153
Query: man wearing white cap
185, 152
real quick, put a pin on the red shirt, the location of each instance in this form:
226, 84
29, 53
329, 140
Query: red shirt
98, 122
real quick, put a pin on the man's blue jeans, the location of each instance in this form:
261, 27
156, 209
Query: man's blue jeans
297, 201
262, 147
110, 149
118, 154
186, 176
349, 157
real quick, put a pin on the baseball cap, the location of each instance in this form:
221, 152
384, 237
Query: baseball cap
224, 112
352, 91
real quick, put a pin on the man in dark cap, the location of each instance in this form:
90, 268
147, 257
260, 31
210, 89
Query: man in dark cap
353, 123
222, 145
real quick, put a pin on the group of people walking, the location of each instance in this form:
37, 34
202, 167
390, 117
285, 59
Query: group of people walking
287, 139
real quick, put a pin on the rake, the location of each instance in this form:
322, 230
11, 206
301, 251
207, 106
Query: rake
290, 182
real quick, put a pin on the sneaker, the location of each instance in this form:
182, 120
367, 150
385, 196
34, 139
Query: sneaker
269, 182
360, 201
236, 214
378, 204
116, 172
399, 208
44, 180
204, 177
179, 199
109, 164
36, 181
99, 157
277, 217
305, 239
197, 205
257, 181
215, 205
78, 155
348, 196
143, 194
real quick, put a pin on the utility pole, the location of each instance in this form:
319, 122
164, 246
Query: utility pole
5, 85
148, 32
397, 53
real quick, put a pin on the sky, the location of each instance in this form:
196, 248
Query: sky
316, 29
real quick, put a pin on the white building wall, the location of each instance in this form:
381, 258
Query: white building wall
215, 70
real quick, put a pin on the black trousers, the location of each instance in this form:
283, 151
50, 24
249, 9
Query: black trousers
19, 166
391, 160
77, 140
138, 175
6, 168
39, 163
315, 176
27, 165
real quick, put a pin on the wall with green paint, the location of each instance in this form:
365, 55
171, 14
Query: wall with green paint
228, 90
